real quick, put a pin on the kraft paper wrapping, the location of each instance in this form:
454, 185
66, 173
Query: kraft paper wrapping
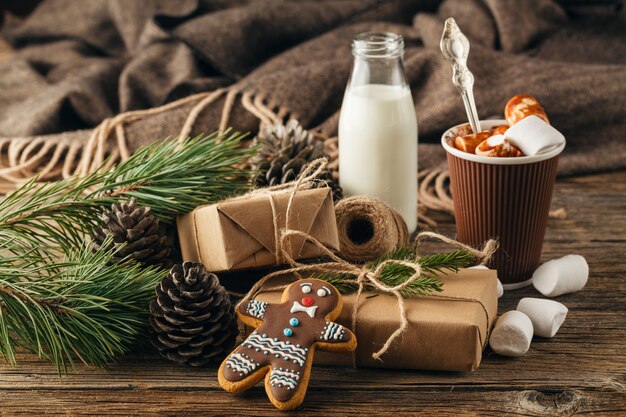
443, 335
240, 233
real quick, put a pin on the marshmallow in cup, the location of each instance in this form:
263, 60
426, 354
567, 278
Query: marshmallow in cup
532, 135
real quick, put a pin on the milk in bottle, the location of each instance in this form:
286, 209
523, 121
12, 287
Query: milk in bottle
378, 127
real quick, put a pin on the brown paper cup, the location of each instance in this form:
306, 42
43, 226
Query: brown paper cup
503, 198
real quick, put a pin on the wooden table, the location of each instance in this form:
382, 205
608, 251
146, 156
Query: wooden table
581, 371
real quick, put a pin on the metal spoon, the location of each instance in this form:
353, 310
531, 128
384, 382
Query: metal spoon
455, 48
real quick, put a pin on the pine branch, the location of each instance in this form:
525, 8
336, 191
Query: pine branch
393, 274
51, 217
441, 262
173, 179
81, 307
62, 299
168, 177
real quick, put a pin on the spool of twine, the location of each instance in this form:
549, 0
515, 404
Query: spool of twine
368, 229
376, 217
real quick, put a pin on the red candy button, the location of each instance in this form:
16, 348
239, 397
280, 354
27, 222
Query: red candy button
307, 301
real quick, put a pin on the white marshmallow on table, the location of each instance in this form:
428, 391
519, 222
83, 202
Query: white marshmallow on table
512, 334
499, 284
561, 276
546, 315
532, 135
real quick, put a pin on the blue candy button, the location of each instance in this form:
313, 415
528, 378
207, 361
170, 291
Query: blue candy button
288, 332
294, 322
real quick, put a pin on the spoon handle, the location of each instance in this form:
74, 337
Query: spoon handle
455, 48
470, 109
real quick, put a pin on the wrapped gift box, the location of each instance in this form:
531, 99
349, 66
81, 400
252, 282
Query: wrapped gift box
446, 332
240, 233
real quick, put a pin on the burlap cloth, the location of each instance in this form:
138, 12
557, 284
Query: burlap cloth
76, 64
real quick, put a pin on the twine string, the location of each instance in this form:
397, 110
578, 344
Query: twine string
365, 277
306, 179
483, 340
485, 254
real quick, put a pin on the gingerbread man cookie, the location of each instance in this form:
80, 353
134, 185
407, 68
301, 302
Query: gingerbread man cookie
284, 342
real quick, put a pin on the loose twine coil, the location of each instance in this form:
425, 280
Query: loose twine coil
365, 276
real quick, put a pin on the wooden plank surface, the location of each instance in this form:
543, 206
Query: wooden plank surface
581, 371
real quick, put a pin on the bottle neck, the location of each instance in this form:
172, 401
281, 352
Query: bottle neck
381, 45
377, 59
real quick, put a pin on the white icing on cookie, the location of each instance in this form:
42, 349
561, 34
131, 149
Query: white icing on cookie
297, 307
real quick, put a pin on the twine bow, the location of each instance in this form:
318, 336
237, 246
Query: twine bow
364, 275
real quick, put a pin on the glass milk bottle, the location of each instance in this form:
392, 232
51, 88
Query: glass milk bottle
378, 128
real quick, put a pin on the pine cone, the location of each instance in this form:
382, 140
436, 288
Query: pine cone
285, 152
136, 234
192, 318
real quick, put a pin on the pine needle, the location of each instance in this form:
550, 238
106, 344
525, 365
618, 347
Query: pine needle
83, 306
63, 300
393, 275
168, 177
173, 179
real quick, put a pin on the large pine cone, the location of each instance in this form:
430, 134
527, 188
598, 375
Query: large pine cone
192, 318
136, 235
285, 152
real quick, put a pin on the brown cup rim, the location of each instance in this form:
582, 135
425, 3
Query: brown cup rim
520, 160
